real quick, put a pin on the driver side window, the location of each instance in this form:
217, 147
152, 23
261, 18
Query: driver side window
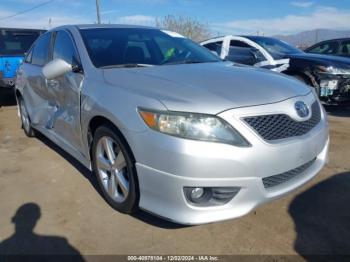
326, 48
64, 48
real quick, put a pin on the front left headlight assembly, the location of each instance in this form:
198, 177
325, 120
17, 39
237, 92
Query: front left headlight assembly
193, 126
333, 70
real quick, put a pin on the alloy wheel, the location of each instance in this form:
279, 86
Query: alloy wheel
112, 169
24, 117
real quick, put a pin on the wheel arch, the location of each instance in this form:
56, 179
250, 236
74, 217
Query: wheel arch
18, 94
97, 121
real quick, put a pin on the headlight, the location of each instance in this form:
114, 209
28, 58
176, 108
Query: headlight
333, 70
193, 126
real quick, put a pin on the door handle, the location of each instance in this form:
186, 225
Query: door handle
51, 83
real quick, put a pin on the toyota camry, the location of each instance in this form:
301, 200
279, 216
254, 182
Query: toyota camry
168, 127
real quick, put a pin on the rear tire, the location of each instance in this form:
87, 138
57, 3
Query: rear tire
115, 170
25, 119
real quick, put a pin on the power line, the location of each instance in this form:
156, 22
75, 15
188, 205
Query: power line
27, 10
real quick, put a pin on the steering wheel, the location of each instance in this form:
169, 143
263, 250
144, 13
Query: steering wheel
174, 53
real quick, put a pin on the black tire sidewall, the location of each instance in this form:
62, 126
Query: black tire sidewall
130, 204
30, 132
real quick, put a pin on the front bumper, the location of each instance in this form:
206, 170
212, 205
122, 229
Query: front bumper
165, 165
334, 88
7, 82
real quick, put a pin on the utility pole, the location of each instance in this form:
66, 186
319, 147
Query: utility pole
98, 11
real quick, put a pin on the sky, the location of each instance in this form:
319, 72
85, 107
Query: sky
269, 17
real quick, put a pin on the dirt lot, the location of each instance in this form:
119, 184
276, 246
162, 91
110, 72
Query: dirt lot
313, 220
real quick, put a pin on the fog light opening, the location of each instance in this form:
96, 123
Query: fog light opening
210, 196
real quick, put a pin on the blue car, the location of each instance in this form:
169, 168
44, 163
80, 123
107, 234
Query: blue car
14, 43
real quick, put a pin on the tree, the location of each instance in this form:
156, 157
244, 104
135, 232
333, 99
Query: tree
185, 26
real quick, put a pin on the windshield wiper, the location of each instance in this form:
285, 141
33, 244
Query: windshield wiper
189, 61
129, 65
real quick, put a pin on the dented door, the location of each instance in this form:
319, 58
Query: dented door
65, 118
37, 97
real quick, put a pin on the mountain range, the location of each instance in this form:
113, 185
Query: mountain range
307, 38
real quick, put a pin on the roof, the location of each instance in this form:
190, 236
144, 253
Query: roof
92, 26
86, 26
260, 36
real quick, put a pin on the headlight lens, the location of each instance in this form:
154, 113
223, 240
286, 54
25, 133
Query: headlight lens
193, 126
333, 70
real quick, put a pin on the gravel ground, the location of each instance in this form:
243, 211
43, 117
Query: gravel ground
75, 219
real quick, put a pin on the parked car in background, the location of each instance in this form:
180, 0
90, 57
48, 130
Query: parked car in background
337, 47
14, 43
329, 75
167, 126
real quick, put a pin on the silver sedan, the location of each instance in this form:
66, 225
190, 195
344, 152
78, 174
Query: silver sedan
167, 126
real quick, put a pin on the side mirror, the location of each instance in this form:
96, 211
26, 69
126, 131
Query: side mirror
56, 68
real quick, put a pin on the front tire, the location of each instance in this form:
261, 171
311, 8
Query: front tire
115, 170
25, 120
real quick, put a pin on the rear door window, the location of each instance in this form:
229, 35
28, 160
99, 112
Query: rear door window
28, 58
236, 43
40, 54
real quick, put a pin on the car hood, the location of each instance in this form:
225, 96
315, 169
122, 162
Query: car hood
206, 88
327, 60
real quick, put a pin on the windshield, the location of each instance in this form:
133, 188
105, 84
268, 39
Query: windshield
277, 49
108, 47
13, 42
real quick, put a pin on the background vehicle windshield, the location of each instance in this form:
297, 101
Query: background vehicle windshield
118, 46
277, 49
16, 42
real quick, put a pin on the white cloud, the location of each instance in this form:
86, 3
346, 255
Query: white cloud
322, 17
302, 4
137, 20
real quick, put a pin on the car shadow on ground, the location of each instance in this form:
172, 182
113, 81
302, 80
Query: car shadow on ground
340, 111
7, 97
140, 215
25, 245
322, 219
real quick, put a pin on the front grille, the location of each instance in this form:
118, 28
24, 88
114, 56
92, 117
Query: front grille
280, 126
276, 180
